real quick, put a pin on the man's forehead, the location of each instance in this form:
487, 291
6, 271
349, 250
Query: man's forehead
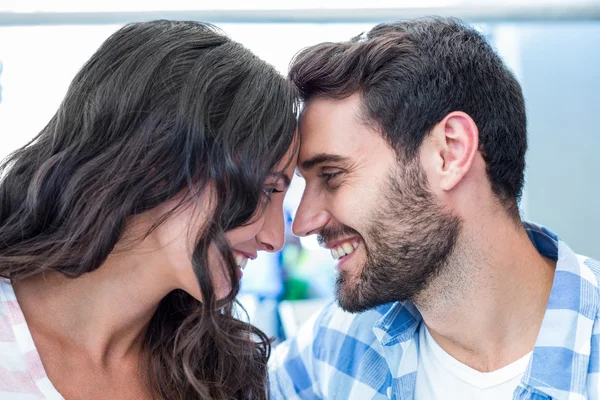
330, 126
333, 134
327, 111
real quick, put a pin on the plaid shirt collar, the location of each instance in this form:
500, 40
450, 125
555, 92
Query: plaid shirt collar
560, 360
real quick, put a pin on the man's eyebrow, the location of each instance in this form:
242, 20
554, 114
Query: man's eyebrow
321, 158
281, 176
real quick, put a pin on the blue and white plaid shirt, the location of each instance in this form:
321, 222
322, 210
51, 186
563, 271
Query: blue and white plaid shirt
373, 355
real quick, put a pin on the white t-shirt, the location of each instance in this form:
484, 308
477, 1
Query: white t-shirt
441, 376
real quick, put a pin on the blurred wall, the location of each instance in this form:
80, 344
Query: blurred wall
560, 74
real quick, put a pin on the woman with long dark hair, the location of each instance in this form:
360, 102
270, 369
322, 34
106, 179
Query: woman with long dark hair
126, 223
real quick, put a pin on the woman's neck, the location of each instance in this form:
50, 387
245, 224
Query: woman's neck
103, 313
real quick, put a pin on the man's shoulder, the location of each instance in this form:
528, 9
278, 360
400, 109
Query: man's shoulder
333, 331
334, 316
591, 265
589, 269
335, 327
336, 354
579, 273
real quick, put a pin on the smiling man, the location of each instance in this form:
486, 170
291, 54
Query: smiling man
413, 151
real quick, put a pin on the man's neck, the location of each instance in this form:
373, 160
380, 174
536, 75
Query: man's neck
487, 305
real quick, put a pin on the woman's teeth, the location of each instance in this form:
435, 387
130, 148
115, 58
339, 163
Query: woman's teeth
241, 261
343, 250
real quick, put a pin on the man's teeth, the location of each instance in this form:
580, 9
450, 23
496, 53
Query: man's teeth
344, 249
241, 261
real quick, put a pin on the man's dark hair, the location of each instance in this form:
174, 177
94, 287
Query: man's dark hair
411, 74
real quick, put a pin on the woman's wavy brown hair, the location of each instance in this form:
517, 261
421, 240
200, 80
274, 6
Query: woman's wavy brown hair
161, 107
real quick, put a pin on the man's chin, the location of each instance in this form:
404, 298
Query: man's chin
350, 300
350, 307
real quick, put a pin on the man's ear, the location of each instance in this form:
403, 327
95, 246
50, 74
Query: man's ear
456, 142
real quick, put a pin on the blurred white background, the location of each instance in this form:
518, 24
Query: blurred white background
553, 47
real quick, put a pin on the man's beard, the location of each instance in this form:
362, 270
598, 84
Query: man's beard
409, 239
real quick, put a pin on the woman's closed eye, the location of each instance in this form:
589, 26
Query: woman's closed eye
268, 191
